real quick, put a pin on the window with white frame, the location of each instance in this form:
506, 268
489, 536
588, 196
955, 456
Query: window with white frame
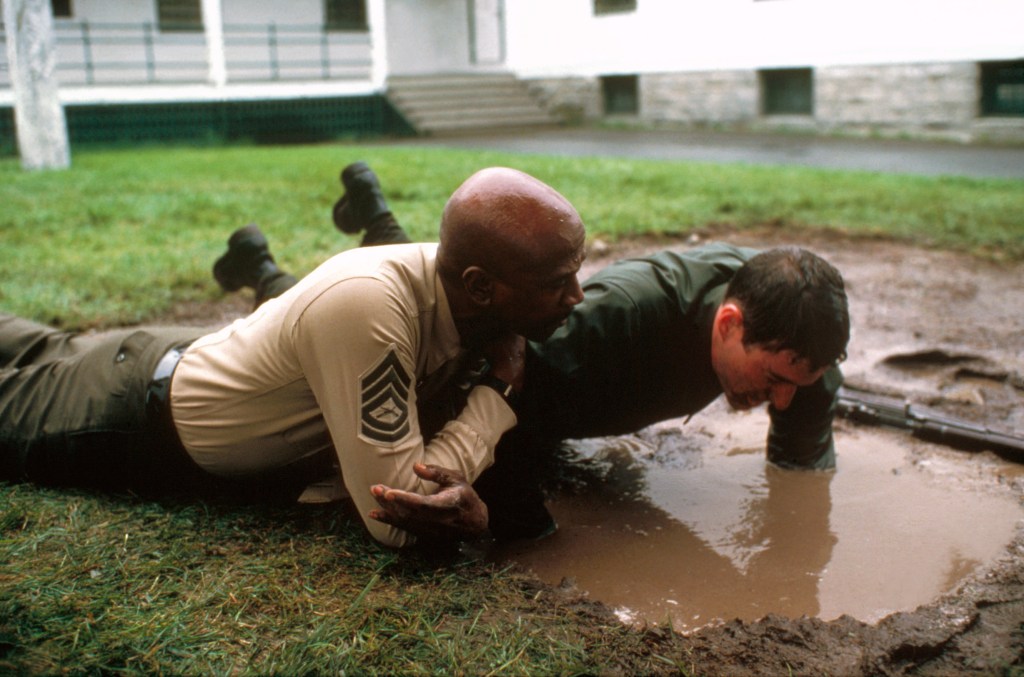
179, 16
614, 6
61, 9
345, 15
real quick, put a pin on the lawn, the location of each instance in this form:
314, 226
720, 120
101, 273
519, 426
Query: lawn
125, 234
94, 583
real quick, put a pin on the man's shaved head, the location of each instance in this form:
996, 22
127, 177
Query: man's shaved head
504, 220
510, 247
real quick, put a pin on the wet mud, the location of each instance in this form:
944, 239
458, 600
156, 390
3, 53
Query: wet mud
687, 525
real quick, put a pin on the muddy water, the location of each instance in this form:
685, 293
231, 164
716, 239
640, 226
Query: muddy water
690, 525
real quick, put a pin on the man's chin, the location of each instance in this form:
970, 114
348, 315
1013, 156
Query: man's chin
544, 333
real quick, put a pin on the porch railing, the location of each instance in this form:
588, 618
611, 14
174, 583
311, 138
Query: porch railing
97, 53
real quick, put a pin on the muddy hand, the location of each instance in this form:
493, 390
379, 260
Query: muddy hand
507, 357
454, 511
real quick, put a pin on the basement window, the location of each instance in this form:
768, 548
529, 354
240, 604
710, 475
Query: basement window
620, 94
345, 15
1002, 88
787, 91
61, 9
179, 16
614, 6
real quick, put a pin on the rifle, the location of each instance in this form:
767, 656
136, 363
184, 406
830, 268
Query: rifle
866, 407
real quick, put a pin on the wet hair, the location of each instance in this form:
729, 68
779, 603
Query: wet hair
793, 300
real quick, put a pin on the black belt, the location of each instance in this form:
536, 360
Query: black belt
159, 390
170, 456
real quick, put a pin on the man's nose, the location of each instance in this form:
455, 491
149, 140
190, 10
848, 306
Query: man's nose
782, 396
574, 294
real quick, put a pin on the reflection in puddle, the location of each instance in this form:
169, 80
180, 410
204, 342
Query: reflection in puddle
694, 527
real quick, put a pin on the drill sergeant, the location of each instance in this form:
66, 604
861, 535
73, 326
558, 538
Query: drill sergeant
334, 364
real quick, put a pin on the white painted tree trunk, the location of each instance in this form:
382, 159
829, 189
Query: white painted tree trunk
38, 113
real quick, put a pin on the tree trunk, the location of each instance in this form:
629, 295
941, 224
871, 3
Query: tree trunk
31, 56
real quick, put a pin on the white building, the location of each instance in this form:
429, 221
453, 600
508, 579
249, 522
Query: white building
315, 68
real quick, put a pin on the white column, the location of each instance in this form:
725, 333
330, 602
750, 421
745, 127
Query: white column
376, 16
213, 26
32, 61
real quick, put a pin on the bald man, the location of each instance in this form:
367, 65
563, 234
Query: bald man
337, 362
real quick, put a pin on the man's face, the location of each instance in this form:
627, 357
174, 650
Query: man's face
533, 302
751, 375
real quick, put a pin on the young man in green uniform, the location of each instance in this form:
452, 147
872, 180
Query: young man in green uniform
655, 337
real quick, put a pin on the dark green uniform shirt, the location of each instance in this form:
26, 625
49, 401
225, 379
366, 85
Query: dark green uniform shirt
637, 350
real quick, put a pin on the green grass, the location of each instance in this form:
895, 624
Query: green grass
93, 583
123, 235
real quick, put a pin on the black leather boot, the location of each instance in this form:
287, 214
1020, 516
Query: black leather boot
363, 201
246, 261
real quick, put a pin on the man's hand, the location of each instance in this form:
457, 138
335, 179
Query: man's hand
454, 512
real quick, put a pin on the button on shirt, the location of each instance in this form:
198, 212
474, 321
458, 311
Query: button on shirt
334, 362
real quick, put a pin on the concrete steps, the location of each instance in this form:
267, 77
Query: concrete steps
466, 102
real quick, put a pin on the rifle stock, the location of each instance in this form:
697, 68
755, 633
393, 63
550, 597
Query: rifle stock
873, 409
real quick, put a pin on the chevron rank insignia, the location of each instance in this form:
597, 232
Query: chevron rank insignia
384, 401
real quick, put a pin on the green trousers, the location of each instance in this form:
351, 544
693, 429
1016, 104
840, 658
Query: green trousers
74, 410
79, 409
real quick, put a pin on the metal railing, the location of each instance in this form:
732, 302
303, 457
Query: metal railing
100, 53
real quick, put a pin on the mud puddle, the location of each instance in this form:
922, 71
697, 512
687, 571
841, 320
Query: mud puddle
689, 525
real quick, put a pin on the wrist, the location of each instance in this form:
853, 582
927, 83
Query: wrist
503, 388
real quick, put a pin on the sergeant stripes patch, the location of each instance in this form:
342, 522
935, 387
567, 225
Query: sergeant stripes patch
384, 400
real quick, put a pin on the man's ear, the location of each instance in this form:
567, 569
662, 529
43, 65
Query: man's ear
479, 285
728, 319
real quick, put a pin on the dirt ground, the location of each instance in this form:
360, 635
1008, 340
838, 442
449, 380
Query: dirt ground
945, 330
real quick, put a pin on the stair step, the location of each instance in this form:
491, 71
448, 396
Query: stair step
470, 105
496, 112
411, 82
441, 94
456, 125
466, 101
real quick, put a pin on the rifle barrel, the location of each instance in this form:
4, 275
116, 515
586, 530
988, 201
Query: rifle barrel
873, 409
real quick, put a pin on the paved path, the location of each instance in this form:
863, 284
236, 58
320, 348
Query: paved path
905, 157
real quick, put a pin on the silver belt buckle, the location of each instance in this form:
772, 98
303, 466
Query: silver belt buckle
165, 367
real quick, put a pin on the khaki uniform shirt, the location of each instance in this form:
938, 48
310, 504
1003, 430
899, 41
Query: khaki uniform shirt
335, 361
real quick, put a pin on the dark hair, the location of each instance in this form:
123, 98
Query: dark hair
793, 299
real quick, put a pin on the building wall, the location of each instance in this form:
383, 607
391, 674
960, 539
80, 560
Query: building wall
111, 44
427, 37
573, 99
900, 68
714, 97
924, 100
880, 67
565, 38
234, 11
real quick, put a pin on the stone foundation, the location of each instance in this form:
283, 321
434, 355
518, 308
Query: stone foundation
575, 100
924, 101
700, 99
